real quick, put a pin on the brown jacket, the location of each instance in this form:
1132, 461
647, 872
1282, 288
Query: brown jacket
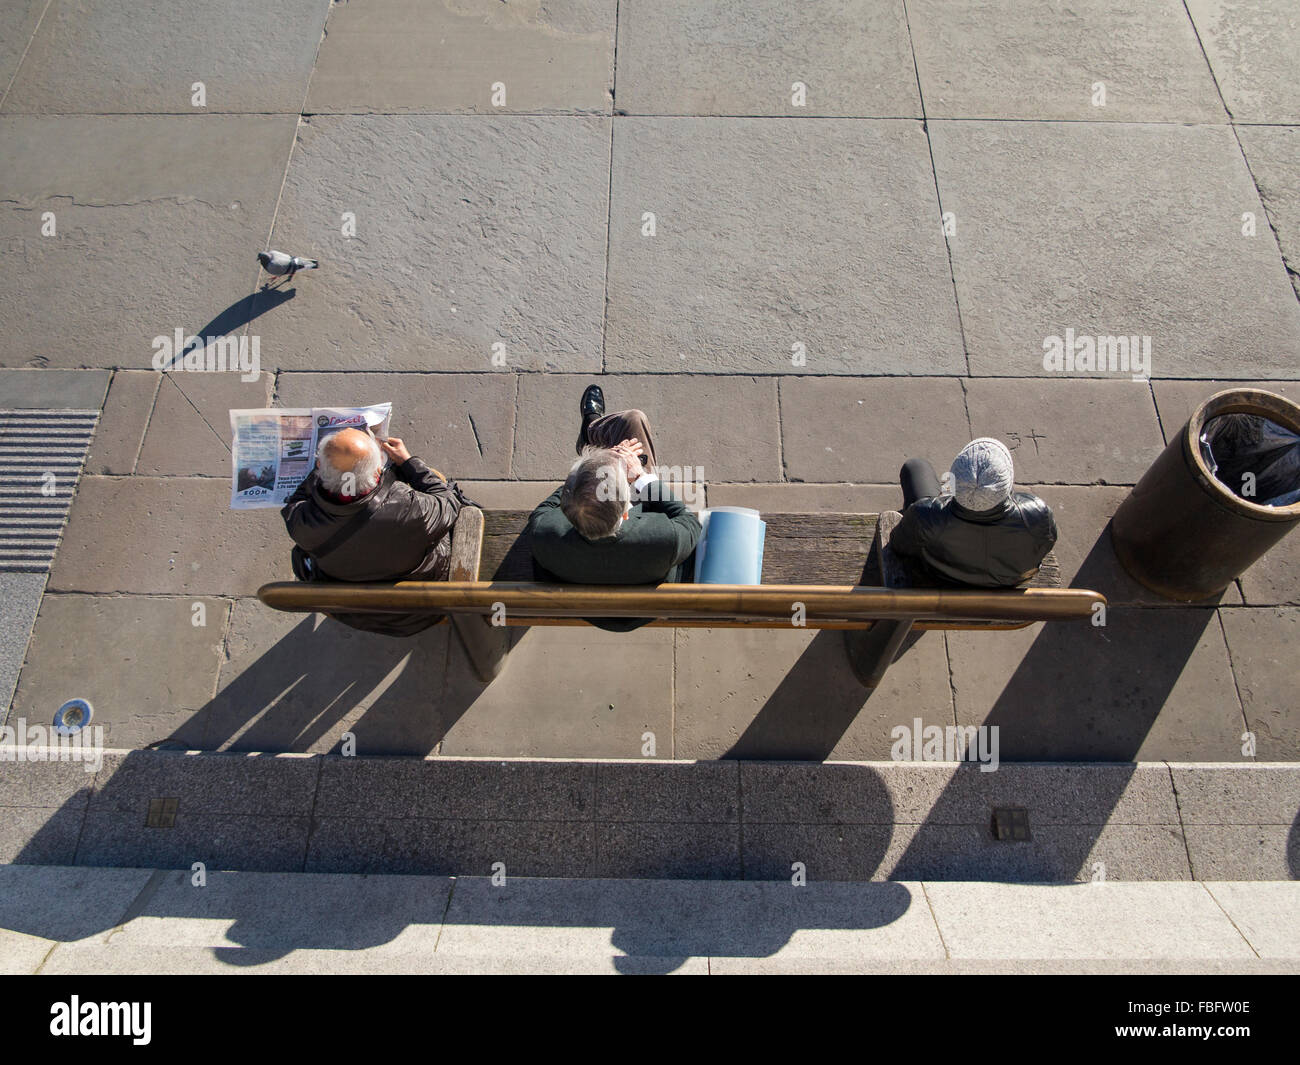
406, 534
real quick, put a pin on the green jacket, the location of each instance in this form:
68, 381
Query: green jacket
659, 535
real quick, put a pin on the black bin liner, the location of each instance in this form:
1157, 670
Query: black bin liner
1234, 445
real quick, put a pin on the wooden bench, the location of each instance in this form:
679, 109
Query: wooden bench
839, 567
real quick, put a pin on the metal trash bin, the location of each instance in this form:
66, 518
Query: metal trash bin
1185, 534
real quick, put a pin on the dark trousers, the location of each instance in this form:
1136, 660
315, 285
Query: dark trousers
919, 481
611, 429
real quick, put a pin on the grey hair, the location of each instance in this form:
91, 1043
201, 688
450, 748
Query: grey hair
596, 494
364, 475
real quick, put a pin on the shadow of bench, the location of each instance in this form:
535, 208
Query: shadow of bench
821, 571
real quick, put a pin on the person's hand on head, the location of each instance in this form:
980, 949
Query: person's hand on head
394, 449
630, 452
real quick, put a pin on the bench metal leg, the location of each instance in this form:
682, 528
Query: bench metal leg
486, 644
872, 651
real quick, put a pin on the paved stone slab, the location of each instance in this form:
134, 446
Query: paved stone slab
1262, 644
300, 682
676, 792
565, 692
1237, 793
1039, 60
1264, 914
1165, 257
266, 785
219, 841
638, 850
849, 429
1151, 684
40, 835
468, 234
452, 848
22, 955
53, 389
1055, 854
1083, 547
20, 598
133, 197
168, 536
1069, 431
684, 57
743, 693
678, 920
18, 21
189, 432
1252, 50
1084, 921
508, 495
1243, 852
1274, 157
95, 58
776, 232
42, 805
461, 424
122, 426
139, 660
30, 899
1177, 400
406, 55
744, 445
808, 498
454, 788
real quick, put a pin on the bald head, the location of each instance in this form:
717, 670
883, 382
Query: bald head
349, 462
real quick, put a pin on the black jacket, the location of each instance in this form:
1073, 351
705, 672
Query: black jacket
650, 547
1000, 548
405, 535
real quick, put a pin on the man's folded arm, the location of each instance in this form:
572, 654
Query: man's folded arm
436, 500
906, 538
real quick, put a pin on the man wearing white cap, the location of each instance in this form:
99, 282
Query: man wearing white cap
981, 531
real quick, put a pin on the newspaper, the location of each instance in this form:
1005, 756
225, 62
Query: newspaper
273, 450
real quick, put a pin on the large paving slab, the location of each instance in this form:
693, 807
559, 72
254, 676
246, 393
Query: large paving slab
396, 56
176, 204
565, 690
769, 694
189, 429
1045, 243
1262, 643
20, 597
851, 429
122, 426
1252, 49
104, 899
808, 498
18, 21
1108, 920
299, 682
468, 234
139, 660
105, 58
461, 424
1273, 153
1150, 684
1264, 914
168, 536
741, 441
771, 233
1275, 577
1040, 59
1069, 431
1084, 549
703, 57
42, 806
34, 389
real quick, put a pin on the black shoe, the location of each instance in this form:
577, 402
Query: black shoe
591, 407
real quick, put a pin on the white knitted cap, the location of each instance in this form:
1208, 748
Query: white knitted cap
983, 474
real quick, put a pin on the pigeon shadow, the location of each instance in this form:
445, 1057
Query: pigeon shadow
235, 317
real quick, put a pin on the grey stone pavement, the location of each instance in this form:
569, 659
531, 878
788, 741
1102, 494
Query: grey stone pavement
868, 216
157, 922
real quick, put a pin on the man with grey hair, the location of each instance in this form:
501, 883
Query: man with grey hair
356, 519
612, 521
979, 531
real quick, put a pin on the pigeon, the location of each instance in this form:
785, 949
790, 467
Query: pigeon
284, 266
